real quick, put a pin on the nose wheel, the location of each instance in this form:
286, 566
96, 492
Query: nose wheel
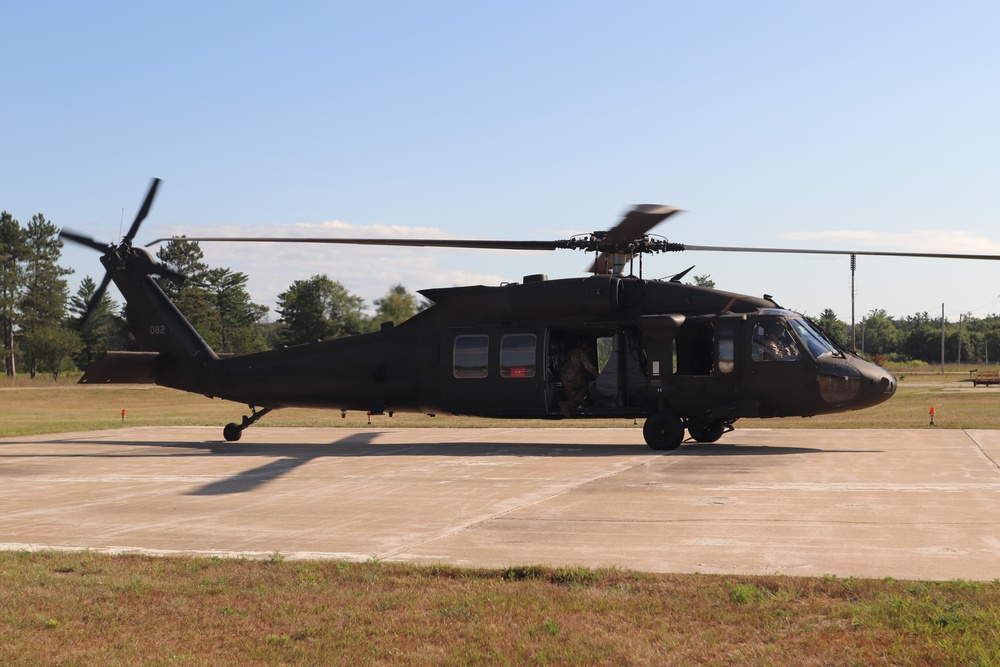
233, 431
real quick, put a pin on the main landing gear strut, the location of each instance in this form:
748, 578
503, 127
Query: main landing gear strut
233, 431
664, 431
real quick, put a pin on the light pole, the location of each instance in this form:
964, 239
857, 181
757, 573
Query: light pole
854, 332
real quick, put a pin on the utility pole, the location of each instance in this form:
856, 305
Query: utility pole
960, 338
942, 339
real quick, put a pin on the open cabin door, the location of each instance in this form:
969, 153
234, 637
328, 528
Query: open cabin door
597, 371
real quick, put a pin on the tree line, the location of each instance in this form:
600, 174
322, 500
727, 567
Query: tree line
914, 338
918, 337
40, 321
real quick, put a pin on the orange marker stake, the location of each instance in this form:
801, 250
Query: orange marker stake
123, 415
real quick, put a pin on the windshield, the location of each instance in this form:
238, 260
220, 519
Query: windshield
814, 340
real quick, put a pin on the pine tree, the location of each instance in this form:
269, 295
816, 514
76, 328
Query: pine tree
238, 317
192, 297
43, 302
214, 301
13, 252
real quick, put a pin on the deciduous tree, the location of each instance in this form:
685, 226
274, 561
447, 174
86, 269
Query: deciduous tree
317, 309
397, 306
832, 324
879, 335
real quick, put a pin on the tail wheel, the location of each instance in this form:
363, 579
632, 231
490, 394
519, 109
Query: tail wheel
663, 431
232, 432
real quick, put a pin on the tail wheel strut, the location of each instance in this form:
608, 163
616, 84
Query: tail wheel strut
233, 431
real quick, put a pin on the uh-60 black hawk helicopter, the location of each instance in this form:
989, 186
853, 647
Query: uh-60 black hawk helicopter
678, 355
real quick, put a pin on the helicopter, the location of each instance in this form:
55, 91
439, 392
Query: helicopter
684, 358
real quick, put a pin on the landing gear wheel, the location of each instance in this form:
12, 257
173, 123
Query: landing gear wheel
663, 431
233, 431
706, 432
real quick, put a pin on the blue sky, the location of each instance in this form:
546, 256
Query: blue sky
842, 125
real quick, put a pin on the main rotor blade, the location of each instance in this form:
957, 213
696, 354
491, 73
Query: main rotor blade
143, 211
429, 243
872, 253
83, 240
637, 222
633, 226
168, 273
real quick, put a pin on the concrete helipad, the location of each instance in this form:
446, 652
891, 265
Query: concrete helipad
908, 504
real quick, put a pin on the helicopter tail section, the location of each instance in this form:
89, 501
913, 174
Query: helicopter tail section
173, 353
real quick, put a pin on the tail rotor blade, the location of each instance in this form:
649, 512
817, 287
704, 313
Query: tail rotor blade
143, 211
95, 301
83, 240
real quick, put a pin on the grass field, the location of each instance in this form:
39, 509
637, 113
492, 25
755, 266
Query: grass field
83, 608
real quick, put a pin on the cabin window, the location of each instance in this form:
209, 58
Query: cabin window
471, 356
517, 355
727, 348
773, 342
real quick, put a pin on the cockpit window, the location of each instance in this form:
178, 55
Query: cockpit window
817, 344
773, 342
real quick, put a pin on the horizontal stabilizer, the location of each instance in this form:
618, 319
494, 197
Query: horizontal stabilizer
124, 368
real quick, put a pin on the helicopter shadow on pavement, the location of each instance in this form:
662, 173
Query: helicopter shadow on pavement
294, 456
737, 449
289, 456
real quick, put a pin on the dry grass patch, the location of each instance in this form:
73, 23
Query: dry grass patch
84, 608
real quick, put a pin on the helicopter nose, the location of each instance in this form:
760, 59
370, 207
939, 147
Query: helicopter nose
854, 383
877, 385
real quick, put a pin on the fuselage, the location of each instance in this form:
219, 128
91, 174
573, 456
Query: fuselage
497, 351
